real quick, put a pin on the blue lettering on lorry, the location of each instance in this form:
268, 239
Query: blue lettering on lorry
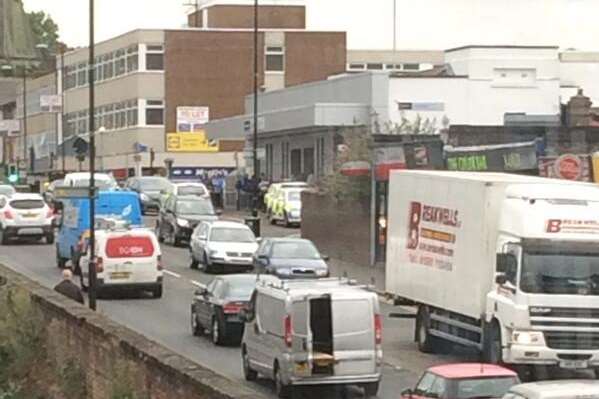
75, 219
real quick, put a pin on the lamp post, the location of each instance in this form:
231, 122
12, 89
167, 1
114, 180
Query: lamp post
5, 68
92, 162
255, 140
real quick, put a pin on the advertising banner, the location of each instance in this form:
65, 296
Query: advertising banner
192, 119
567, 166
10, 127
493, 158
51, 102
189, 142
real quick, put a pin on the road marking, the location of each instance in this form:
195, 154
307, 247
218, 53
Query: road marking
172, 274
197, 283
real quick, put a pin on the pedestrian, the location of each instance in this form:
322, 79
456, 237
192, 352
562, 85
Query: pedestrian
69, 289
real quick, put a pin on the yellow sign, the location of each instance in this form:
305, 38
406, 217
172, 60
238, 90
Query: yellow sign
189, 142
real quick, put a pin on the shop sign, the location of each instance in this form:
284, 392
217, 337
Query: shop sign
189, 142
493, 158
568, 167
51, 102
192, 119
387, 159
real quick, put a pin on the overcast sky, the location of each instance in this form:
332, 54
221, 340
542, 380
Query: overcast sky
421, 24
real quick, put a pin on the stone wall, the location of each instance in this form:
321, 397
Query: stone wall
109, 353
339, 229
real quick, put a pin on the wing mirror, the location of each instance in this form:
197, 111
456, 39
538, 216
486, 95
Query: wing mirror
326, 258
201, 292
218, 212
501, 279
407, 393
263, 260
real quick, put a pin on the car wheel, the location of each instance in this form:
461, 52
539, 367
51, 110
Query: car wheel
159, 233
248, 373
50, 239
371, 389
176, 241
287, 222
492, 347
157, 292
217, 332
3, 237
208, 268
194, 263
283, 390
196, 327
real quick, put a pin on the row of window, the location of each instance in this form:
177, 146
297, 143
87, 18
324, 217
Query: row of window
115, 116
114, 64
358, 66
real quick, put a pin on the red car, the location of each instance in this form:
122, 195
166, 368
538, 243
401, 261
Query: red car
463, 381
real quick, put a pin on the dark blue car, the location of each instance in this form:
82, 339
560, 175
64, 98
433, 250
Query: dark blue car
290, 258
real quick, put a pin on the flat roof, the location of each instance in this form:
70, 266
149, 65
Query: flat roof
508, 46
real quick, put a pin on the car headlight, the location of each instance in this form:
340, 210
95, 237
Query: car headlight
322, 272
215, 254
284, 272
182, 222
144, 197
528, 338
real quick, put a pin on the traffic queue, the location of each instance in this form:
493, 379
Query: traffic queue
271, 296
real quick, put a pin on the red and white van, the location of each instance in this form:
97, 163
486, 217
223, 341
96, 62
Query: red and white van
127, 259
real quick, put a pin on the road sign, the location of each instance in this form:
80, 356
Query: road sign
73, 192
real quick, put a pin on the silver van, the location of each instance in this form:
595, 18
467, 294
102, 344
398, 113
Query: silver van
313, 332
564, 389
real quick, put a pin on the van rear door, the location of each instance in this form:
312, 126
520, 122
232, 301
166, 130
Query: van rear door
354, 336
301, 338
130, 259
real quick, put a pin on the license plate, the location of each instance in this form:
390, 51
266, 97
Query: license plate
30, 231
119, 275
574, 364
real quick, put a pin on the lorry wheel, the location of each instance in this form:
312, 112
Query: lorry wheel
248, 373
492, 350
371, 389
427, 343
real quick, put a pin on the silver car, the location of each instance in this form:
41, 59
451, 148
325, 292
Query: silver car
220, 244
313, 332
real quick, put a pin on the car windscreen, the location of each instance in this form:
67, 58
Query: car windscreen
7, 190
222, 234
240, 288
191, 207
102, 184
191, 190
27, 204
157, 184
294, 196
482, 387
295, 250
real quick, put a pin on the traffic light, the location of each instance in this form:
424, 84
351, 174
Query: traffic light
13, 174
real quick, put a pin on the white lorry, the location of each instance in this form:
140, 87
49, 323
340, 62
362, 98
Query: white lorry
503, 263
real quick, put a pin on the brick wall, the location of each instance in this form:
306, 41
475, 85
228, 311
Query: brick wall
108, 349
242, 17
339, 229
313, 56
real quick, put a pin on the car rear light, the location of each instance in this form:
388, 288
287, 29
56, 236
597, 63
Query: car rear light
288, 331
233, 307
99, 264
159, 266
378, 329
50, 213
8, 214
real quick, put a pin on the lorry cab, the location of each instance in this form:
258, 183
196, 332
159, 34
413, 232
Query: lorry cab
75, 222
313, 332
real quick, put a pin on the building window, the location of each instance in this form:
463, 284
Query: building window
275, 59
82, 74
132, 113
132, 59
98, 70
320, 157
411, 67
269, 161
375, 67
120, 63
356, 67
284, 160
154, 113
108, 117
155, 58
108, 66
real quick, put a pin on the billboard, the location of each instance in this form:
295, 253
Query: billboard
51, 103
192, 119
189, 142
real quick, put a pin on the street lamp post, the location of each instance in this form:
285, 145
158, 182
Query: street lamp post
255, 140
25, 116
92, 163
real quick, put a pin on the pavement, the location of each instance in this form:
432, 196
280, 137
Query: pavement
167, 320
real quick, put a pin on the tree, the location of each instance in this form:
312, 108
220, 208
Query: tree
44, 29
418, 126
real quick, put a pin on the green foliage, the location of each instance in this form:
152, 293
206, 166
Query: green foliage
357, 148
419, 125
123, 383
72, 379
44, 29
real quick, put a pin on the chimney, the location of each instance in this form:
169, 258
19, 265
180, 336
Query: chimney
578, 110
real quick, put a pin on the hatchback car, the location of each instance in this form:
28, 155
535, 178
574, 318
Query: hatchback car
463, 381
290, 258
216, 308
25, 216
179, 217
150, 189
185, 188
221, 244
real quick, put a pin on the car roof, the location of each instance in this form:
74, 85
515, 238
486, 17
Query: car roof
26, 196
471, 370
558, 389
288, 239
189, 183
232, 278
188, 197
85, 175
229, 224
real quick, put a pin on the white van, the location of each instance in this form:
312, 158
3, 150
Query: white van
564, 389
313, 332
81, 179
127, 259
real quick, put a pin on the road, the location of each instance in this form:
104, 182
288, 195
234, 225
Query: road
167, 320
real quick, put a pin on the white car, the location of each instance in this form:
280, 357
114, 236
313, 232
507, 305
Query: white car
7, 190
564, 389
25, 216
81, 179
186, 188
126, 259
219, 244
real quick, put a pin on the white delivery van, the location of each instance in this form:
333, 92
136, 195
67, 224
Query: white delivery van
503, 263
127, 259
313, 332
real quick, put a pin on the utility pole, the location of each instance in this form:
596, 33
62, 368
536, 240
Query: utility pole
394, 25
62, 81
25, 116
255, 141
92, 163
